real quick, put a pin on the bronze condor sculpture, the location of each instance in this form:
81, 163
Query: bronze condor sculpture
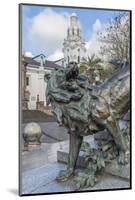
85, 109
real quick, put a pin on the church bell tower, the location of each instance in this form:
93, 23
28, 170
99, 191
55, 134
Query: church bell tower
73, 47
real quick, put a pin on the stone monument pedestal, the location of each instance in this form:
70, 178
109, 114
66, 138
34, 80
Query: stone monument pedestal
122, 171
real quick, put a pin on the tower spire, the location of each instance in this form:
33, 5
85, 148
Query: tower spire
73, 46
74, 29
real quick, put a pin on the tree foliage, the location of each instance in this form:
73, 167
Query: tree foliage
92, 62
115, 40
90, 65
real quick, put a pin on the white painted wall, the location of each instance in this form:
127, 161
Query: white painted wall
37, 86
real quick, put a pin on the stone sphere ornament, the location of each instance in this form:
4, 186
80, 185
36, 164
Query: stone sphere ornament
32, 134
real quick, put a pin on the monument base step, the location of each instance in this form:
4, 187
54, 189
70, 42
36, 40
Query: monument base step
122, 171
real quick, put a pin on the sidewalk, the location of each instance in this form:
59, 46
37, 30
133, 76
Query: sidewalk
40, 168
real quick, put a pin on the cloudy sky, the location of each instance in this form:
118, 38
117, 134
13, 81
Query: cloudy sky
44, 28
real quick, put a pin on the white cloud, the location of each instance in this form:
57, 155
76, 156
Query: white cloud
97, 26
48, 30
28, 54
93, 44
57, 54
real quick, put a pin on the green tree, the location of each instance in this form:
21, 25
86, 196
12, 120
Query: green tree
91, 66
107, 72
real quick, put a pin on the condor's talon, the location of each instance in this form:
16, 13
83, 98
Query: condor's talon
64, 175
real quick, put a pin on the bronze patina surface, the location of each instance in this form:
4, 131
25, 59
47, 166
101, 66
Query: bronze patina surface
85, 109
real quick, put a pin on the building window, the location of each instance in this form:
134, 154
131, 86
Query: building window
78, 50
27, 81
78, 59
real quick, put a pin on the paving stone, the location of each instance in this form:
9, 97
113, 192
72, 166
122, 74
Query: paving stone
46, 153
42, 180
34, 179
40, 168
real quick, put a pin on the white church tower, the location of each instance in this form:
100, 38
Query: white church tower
74, 47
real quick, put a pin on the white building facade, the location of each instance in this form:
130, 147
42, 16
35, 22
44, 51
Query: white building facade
73, 46
37, 67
